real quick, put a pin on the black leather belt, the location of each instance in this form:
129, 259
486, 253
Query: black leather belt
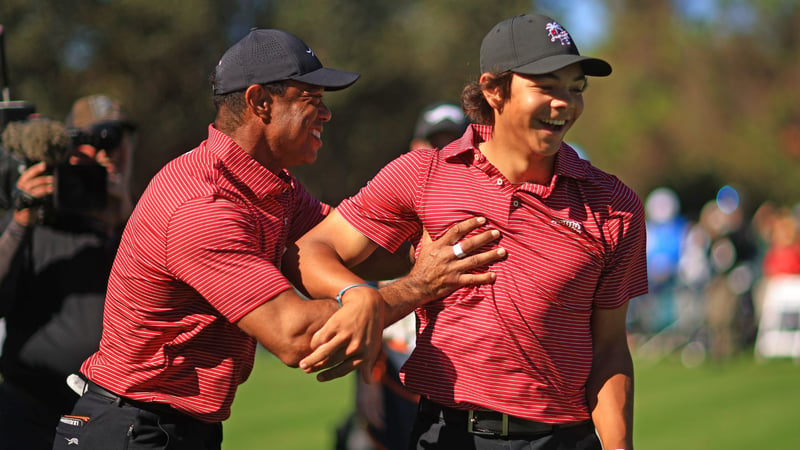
161, 409
491, 423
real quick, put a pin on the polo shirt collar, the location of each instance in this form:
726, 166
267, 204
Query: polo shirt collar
568, 163
258, 178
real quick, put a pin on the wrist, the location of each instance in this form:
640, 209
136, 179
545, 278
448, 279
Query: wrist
340, 297
25, 218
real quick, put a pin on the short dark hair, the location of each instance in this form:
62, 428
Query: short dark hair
234, 104
474, 103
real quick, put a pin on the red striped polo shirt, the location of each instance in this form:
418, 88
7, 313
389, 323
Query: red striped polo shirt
200, 251
523, 344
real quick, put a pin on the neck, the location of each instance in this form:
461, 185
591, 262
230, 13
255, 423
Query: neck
255, 144
519, 165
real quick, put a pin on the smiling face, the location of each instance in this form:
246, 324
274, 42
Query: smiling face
540, 109
295, 126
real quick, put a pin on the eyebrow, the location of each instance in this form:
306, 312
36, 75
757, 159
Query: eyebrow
551, 76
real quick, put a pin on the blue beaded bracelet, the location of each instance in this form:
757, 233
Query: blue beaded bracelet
346, 288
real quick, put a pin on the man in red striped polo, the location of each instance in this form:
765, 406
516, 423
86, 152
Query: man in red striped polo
196, 283
539, 359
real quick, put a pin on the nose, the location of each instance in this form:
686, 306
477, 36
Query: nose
323, 112
563, 98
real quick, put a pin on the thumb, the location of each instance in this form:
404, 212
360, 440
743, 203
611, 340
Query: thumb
426, 237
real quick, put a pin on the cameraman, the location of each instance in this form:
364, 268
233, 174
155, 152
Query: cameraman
54, 266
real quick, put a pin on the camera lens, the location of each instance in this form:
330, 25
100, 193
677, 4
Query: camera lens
106, 137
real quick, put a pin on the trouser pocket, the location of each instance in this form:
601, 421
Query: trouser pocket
68, 432
95, 424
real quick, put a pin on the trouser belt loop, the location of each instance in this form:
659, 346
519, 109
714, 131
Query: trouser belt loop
504, 430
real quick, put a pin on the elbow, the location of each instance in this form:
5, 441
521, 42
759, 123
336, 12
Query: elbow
290, 349
291, 357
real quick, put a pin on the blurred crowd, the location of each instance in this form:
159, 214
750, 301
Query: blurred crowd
712, 276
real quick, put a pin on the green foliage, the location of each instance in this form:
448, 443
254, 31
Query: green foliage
688, 103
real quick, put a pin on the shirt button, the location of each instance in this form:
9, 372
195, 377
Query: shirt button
499, 182
515, 203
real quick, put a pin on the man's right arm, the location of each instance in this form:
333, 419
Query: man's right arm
285, 324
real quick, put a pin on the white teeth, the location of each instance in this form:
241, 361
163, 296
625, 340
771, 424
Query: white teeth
554, 122
316, 134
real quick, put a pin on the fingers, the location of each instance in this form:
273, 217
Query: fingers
324, 356
477, 279
34, 182
461, 229
478, 241
484, 258
33, 171
329, 349
339, 371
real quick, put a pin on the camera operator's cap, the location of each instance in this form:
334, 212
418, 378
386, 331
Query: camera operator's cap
534, 44
440, 117
96, 109
265, 56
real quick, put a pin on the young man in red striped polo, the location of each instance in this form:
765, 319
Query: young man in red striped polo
539, 359
196, 284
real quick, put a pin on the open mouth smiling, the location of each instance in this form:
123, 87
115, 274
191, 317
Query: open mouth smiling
553, 125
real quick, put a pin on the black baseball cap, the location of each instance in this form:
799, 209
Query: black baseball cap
267, 55
534, 44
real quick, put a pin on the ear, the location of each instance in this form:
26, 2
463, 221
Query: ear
494, 95
258, 101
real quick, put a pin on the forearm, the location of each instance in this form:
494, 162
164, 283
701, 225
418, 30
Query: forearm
609, 392
298, 330
285, 325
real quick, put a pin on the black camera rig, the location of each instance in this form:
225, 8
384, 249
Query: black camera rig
77, 187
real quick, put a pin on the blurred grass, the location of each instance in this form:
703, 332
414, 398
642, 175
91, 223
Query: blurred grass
283, 408
738, 404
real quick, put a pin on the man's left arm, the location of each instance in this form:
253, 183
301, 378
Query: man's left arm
320, 262
609, 390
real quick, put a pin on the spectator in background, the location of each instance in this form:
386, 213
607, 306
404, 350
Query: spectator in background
55, 268
438, 124
385, 409
783, 251
728, 293
666, 233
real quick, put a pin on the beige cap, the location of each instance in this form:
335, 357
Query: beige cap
95, 109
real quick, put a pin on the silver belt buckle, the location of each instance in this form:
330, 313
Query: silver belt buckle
471, 422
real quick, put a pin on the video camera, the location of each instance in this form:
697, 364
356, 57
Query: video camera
77, 187
27, 140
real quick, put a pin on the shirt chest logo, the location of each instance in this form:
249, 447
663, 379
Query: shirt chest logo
573, 224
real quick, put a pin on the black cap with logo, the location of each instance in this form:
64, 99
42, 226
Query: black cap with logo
267, 55
534, 44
